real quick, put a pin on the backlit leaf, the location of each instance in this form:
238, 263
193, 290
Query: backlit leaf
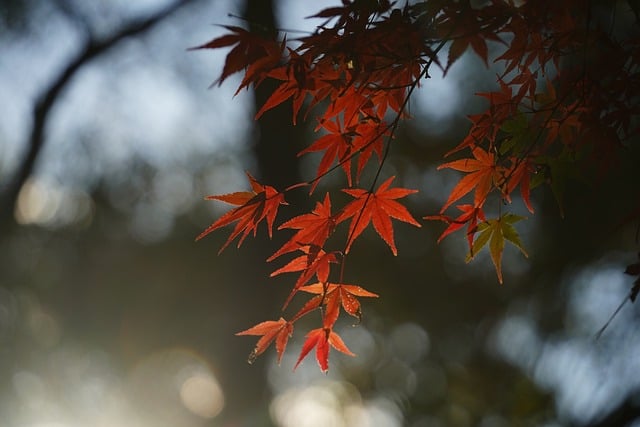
261, 204
377, 208
495, 232
321, 339
279, 330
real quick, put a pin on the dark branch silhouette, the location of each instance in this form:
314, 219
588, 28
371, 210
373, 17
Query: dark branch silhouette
43, 106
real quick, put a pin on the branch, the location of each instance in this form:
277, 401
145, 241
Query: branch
93, 48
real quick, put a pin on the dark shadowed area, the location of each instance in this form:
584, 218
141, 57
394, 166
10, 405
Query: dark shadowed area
111, 314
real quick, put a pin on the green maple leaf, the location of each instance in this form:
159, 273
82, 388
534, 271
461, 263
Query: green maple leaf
495, 232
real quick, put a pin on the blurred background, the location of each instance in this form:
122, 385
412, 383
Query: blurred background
111, 315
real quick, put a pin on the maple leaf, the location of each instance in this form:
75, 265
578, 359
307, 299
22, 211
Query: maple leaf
482, 173
260, 204
313, 228
253, 52
296, 83
314, 262
502, 106
521, 175
321, 339
336, 296
470, 216
369, 140
485, 126
377, 208
495, 232
469, 28
308, 307
336, 145
460, 45
279, 330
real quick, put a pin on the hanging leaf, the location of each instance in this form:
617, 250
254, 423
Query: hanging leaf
377, 208
495, 232
321, 339
279, 330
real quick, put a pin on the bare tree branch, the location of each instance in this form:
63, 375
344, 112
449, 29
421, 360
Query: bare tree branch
42, 108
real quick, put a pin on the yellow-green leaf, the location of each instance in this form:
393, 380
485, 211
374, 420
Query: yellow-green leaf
485, 230
494, 232
509, 232
496, 248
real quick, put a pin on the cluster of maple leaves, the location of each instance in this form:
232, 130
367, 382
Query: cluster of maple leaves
567, 91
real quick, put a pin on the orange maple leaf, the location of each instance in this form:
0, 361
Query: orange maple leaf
520, 174
377, 208
482, 173
313, 228
314, 262
470, 215
279, 330
338, 295
253, 206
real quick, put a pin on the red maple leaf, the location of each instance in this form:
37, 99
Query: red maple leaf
313, 228
336, 146
486, 125
338, 295
468, 28
469, 216
377, 208
369, 140
279, 330
321, 339
297, 82
482, 173
315, 262
260, 204
520, 175
460, 45
252, 52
